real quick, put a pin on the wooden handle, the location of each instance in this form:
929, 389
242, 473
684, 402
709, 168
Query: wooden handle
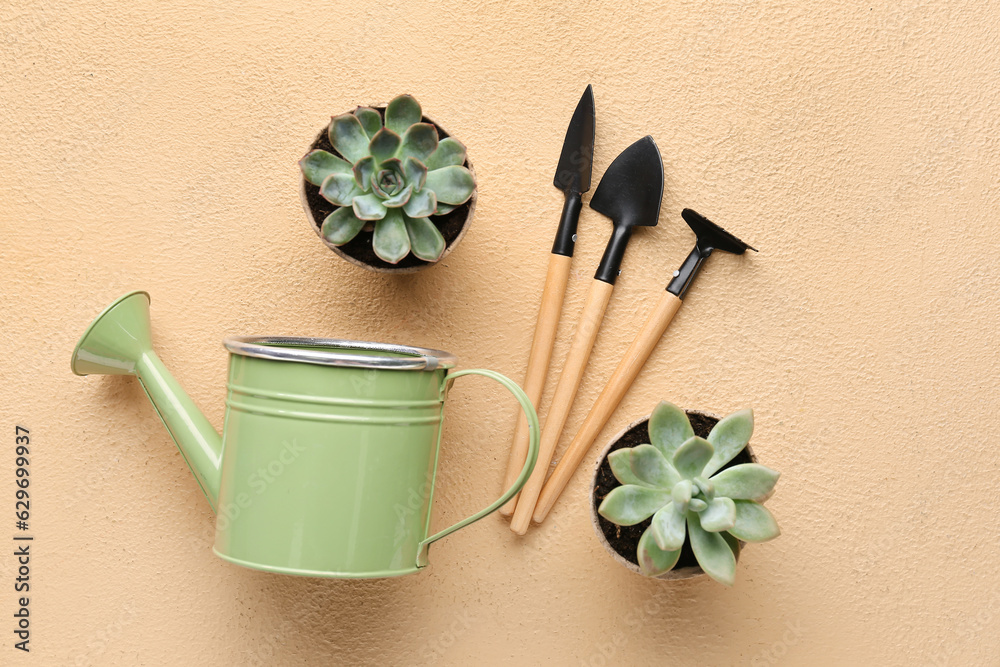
623, 377
538, 364
569, 382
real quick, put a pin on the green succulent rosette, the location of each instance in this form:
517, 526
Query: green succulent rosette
678, 480
395, 175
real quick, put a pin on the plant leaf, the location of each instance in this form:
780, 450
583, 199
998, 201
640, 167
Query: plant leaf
654, 561
419, 141
317, 165
341, 226
368, 207
384, 145
452, 185
391, 242
443, 209
370, 120
719, 515
363, 171
394, 165
669, 428
648, 465
426, 241
348, 137
747, 481
398, 200
669, 527
620, 461
421, 204
449, 152
733, 543
713, 553
691, 457
415, 172
681, 494
628, 505
340, 189
754, 523
402, 112
729, 437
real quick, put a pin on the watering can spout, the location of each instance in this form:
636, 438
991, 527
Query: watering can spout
118, 342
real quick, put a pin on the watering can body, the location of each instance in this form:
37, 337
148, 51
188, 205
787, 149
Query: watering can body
326, 469
327, 462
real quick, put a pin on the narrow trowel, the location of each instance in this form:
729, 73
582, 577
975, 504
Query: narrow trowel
710, 237
630, 193
573, 178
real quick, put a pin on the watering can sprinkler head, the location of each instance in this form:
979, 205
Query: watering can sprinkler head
710, 237
118, 342
116, 339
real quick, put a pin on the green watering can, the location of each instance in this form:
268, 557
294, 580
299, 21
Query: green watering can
329, 451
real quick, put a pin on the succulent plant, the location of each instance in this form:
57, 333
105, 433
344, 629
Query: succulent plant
676, 480
394, 175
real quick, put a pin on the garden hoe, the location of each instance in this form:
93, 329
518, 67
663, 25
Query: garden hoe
573, 178
630, 194
710, 237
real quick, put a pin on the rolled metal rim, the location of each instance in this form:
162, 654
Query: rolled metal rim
287, 348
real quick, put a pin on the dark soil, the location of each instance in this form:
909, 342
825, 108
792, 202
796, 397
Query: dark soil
360, 247
625, 539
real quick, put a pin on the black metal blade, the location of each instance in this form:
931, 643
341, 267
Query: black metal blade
577, 159
630, 193
631, 189
711, 235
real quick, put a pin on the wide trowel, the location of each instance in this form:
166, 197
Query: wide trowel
573, 178
711, 237
630, 194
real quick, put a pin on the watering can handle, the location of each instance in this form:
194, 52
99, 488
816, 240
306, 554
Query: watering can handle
529, 463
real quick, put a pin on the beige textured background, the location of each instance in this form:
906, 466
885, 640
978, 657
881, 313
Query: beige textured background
153, 145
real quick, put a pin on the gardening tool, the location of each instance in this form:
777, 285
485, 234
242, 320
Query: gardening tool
329, 451
630, 193
710, 237
573, 178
